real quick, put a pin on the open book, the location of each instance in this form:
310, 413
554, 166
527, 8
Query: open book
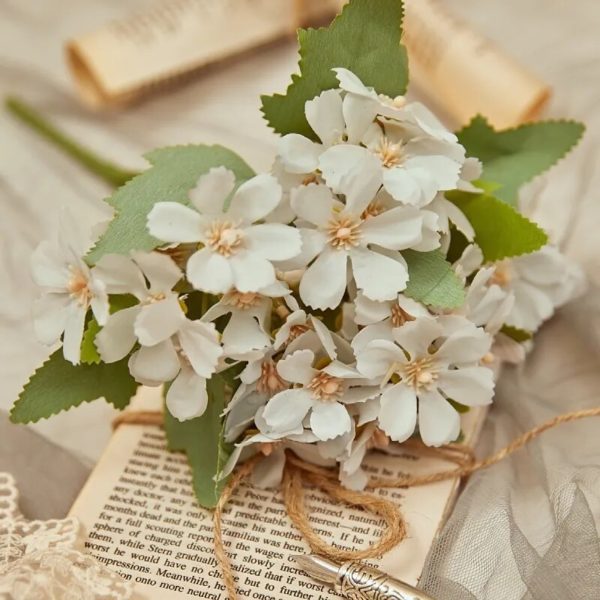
143, 521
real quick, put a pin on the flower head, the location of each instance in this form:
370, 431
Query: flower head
236, 252
69, 288
429, 362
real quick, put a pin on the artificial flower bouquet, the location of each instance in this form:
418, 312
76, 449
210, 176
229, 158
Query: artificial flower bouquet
362, 292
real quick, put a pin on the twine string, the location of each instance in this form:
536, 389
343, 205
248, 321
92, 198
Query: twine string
299, 474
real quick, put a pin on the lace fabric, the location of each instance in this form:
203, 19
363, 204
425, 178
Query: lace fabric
45, 560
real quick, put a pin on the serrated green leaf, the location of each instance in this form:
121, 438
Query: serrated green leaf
89, 353
519, 335
58, 385
500, 230
515, 156
364, 38
202, 440
173, 173
432, 280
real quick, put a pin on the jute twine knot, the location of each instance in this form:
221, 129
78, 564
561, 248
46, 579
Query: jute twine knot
299, 474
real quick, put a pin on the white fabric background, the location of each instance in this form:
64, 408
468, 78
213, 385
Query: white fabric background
531, 526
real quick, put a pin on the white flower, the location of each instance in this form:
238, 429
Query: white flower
541, 282
447, 213
237, 253
156, 317
248, 328
188, 359
404, 148
370, 241
429, 362
321, 397
69, 289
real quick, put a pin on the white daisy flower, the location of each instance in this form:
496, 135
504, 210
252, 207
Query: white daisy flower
320, 398
371, 245
187, 359
237, 252
69, 288
150, 277
429, 362
248, 328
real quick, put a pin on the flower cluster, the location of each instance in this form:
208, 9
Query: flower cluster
297, 279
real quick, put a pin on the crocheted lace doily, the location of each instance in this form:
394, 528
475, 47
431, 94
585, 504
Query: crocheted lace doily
46, 560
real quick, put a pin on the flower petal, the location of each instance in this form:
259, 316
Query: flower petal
324, 115
174, 222
396, 229
268, 472
378, 276
473, 386
159, 269
74, 326
352, 171
329, 268
370, 311
116, 339
243, 334
286, 410
158, 321
398, 413
121, 275
299, 154
187, 397
200, 343
375, 359
467, 345
404, 186
211, 190
251, 272
48, 266
357, 395
297, 367
328, 420
313, 242
439, 423
273, 241
359, 113
416, 336
210, 272
154, 364
313, 203
370, 333
50, 317
255, 198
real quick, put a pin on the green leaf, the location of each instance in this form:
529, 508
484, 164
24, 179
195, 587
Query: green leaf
500, 230
58, 385
458, 407
202, 440
519, 335
89, 353
515, 156
364, 38
432, 280
173, 173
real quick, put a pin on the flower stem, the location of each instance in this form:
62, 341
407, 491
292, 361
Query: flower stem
104, 169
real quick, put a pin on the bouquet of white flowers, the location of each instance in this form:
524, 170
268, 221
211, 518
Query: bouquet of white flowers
363, 292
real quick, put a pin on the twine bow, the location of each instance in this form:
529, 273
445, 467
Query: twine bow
299, 474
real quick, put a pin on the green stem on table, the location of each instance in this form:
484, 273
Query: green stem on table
104, 169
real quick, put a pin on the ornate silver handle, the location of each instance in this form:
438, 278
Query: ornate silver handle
358, 582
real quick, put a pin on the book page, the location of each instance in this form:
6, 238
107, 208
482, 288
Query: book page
143, 521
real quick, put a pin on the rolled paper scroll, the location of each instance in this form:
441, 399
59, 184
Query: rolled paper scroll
128, 58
